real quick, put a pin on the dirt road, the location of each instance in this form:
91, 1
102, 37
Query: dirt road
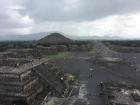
89, 91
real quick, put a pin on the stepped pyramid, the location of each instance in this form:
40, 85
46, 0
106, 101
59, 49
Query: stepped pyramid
20, 82
55, 39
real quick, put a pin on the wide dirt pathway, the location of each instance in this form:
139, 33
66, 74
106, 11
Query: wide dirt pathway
80, 66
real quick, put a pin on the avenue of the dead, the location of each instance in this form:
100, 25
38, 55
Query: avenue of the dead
73, 73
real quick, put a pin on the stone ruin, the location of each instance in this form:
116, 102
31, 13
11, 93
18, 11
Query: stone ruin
13, 61
120, 93
21, 53
24, 79
19, 83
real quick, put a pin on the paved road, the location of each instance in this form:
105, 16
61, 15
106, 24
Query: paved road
89, 91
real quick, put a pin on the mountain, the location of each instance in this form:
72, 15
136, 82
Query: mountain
96, 37
54, 38
37, 36
24, 37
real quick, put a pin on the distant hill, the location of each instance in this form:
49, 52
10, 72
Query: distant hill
23, 37
54, 38
96, 37
37, 36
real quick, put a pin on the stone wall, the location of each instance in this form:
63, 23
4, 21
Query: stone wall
13, 62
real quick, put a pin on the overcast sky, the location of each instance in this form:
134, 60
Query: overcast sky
72, 17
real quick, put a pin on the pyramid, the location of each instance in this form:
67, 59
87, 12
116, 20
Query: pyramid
19, 83
55, 38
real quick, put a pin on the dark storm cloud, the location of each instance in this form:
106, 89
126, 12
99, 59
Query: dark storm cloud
78, 10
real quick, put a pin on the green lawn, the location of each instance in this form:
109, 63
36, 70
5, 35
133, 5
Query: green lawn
92, 52
61, 55
66, 55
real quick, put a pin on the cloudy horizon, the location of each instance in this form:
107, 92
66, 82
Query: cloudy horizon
72, 17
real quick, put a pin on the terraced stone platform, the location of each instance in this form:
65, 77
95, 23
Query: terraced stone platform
20, 83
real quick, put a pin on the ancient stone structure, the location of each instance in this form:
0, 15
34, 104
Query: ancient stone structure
120, 94
27, 77
20, 82
24, 80
54, 39
20, 53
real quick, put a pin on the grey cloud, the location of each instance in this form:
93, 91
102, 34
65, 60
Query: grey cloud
10, 19
82, 10
10, 23
62, 11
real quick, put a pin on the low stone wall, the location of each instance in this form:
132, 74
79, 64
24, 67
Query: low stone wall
13, 62
21, 53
